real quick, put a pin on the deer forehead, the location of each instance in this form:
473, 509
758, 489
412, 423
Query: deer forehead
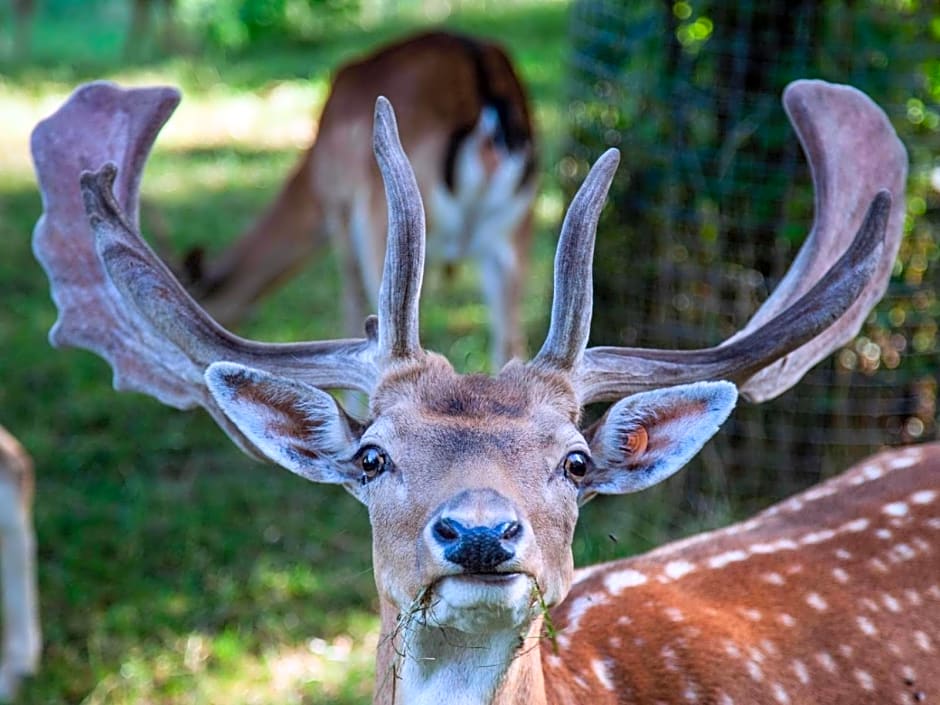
431, 393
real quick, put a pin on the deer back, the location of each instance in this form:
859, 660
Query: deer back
832, 596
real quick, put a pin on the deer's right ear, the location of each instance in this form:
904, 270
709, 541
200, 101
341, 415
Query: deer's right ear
295, 425
646, 437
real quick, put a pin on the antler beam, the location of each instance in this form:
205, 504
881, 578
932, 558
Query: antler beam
142, 278
859, 170
119, 300
738, 361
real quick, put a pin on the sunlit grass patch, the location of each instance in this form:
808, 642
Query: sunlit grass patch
281, 117
200, 668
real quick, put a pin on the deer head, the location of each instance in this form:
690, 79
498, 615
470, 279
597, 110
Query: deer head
472, 483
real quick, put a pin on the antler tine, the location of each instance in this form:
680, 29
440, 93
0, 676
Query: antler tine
122, 302
573, 283
859, 169
400, 291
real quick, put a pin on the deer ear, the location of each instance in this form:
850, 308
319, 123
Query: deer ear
645, 438
296, 426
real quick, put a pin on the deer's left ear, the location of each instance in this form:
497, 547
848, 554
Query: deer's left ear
645, 438
296, 426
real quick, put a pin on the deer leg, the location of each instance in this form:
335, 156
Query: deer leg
275, 246
21, 635
500, 257
499, 280
356, 302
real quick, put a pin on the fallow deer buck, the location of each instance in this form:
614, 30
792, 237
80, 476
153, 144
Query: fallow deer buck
21, 636
473, 483
466, 127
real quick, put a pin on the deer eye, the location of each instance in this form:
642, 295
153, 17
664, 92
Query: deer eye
373, 461
576, 465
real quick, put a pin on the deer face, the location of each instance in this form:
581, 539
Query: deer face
476, 511
472, 482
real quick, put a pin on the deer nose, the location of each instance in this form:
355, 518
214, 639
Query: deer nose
477, 549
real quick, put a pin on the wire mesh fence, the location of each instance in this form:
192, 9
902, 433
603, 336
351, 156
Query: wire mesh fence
713, 200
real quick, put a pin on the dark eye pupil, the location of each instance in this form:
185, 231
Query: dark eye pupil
372, 461
576, 464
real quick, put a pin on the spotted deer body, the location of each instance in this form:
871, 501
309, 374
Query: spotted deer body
832, 596
474, 483
19, 656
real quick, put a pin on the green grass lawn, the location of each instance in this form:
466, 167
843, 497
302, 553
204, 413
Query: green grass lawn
173, 569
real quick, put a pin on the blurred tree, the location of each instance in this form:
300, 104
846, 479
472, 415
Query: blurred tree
142, 31
232, 24
22, 13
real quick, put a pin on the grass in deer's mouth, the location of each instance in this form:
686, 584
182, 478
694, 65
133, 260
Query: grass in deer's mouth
419, 606
548, 626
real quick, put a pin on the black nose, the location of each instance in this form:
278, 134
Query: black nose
477, 549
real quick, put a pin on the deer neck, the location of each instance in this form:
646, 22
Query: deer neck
427, 665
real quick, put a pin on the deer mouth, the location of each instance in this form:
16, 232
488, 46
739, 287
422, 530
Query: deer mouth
489, 578
487, 587
475, 602
499, 591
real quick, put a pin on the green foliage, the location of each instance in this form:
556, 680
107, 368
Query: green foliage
234, 24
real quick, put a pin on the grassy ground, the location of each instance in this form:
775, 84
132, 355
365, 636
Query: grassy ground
172, 568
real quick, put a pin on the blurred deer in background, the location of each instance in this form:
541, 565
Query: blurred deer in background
473, 483
466, 127
22, 640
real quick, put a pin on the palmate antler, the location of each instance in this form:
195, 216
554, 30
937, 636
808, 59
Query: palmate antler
125, 305
859, 169
117, 299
